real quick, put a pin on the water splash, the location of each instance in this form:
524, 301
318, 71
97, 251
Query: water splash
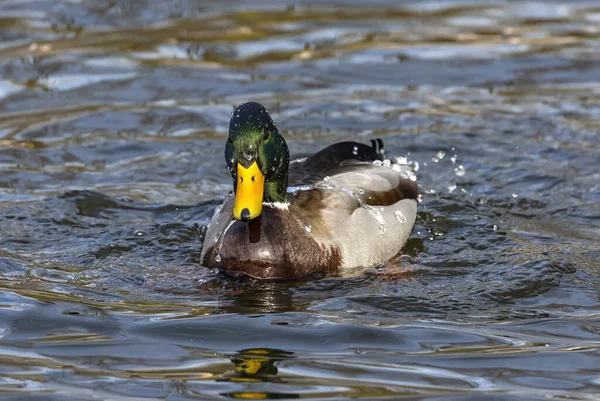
221, 239
294, 190
438, 156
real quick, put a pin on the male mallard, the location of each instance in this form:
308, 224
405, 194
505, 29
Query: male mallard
341, 208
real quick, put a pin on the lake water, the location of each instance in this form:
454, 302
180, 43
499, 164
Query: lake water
113, 117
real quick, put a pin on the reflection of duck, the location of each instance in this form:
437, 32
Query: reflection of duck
345, 207
256, 365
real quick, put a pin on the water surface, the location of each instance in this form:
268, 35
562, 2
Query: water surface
113, 117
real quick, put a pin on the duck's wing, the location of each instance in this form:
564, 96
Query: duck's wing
366, 209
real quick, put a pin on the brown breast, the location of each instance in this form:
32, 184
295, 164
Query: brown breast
273, 246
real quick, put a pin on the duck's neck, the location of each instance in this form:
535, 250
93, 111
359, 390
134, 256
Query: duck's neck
275, 191
278, 163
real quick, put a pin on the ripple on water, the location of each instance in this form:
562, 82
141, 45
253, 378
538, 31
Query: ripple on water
112, 124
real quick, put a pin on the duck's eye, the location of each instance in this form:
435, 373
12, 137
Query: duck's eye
266, 135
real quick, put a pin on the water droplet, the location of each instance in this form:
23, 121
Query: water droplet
515, 195
453, 159
401, 160
218, 258
361, 191
139, 233
400, 216
451, 188
238, 115
382, 229
440, 155
459, 171
355, 150
308, 228
373, 212
409, 175
295, 193
494, 227
387, 163
273, 168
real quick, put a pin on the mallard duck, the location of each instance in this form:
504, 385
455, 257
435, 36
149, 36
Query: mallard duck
341, 208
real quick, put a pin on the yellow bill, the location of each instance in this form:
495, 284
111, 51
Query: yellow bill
249, 192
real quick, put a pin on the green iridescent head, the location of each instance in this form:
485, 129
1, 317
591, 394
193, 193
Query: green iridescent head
257, 157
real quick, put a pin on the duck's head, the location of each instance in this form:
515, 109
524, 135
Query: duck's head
257, 157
